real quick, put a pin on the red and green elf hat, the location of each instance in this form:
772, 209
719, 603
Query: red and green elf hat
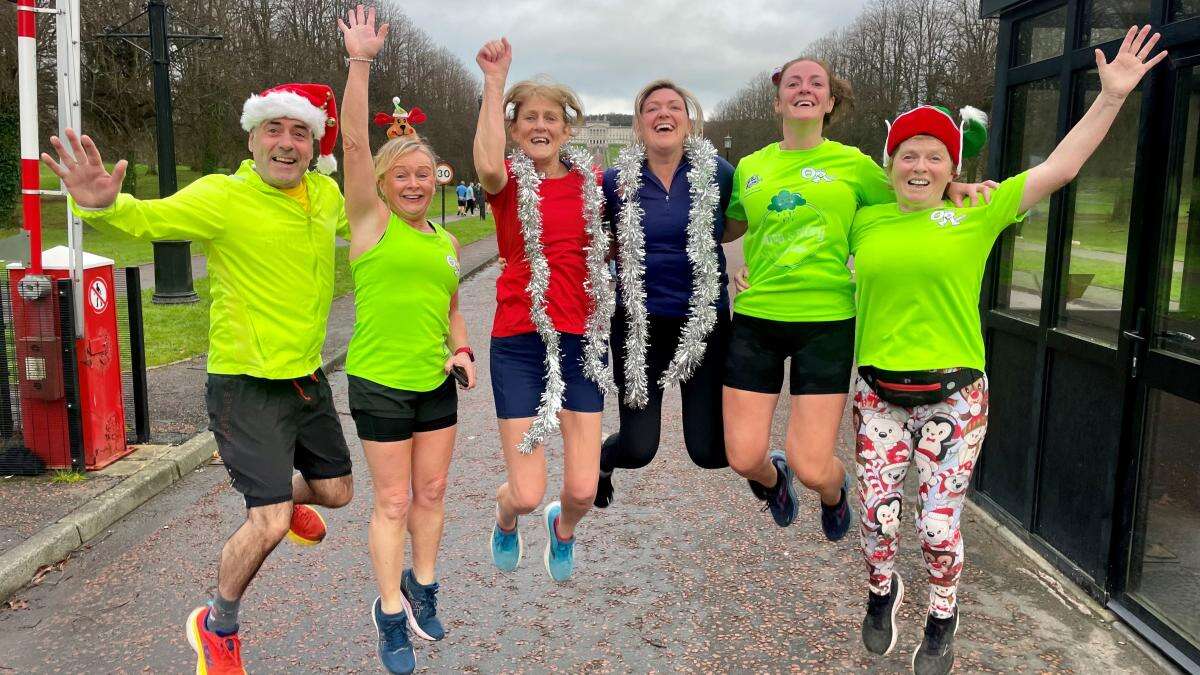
964, 139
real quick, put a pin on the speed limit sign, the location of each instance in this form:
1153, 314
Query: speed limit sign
444, 174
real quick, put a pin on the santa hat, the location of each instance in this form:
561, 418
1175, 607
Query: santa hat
312, 104
964, 139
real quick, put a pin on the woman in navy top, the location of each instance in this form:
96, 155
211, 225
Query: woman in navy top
663, 322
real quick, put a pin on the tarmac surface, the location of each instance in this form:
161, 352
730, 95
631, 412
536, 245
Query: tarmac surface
681, 573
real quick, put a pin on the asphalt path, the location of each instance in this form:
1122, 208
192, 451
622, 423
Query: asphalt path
682, 573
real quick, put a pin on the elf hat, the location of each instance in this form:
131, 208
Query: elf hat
312, 104
964, 139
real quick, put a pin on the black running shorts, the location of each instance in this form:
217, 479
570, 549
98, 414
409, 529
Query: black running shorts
822, 354
265, 428
386, 415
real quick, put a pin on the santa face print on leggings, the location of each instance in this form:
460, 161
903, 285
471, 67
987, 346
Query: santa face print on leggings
944, 441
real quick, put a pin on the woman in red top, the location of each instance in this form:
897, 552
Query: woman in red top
547, 366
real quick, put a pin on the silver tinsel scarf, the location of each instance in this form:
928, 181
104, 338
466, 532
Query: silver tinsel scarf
701, 251
631, 250
529, 213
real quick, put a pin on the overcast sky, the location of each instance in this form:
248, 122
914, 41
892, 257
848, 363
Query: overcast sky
607, 50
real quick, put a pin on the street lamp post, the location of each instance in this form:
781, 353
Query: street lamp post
728, 145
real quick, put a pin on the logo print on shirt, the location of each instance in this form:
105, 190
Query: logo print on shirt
793, 237
786, 201
944, 218
816, 175
453, 263
754, 180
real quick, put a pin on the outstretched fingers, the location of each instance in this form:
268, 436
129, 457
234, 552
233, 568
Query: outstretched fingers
58, 169
76, 147
91, 151
65, 158
118, 172
1144, 52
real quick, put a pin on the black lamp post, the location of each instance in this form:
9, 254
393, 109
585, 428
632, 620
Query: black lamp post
728, 145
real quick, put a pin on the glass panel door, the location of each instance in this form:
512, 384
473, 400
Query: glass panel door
1100, 200
1031, 107
1163, 566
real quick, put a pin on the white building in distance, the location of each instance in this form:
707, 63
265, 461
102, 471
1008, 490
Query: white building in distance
603, 140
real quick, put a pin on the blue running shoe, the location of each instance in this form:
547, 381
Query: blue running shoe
835, 520
395, 649
420, 603
560, 555
507, 547
781, 500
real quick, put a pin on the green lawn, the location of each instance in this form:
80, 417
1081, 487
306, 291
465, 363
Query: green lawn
472, 229
176, 332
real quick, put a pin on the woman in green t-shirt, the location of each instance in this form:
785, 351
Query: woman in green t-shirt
794, 201
408, 337
921, 393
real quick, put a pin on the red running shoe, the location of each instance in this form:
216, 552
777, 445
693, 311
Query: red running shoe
308, 527
215, 654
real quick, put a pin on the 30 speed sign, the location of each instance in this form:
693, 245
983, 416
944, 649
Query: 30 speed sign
444, 174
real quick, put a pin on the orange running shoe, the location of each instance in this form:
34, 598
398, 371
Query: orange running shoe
308, 527
215, 654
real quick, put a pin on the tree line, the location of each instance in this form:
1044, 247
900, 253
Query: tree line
896, 54
263, 43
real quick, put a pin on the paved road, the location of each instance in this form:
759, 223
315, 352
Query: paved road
681, 573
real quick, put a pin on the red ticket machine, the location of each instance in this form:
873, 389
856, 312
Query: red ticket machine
37, 309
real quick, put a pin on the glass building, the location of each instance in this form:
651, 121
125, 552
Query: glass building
1092, 317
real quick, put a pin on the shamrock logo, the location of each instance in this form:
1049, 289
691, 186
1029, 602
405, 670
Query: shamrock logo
786, 201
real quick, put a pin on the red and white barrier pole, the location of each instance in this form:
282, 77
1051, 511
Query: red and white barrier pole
30, 173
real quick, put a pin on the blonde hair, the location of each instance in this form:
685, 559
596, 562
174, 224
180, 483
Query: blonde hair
393, 150
561, 94
839, 88
691, 104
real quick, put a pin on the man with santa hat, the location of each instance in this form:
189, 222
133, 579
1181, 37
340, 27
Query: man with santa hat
269, 230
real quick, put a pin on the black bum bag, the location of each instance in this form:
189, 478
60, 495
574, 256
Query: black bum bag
917, 387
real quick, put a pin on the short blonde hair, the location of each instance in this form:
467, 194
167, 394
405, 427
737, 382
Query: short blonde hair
395, 149
561, 94
691, 104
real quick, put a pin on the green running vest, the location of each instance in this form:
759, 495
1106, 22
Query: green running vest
402, 291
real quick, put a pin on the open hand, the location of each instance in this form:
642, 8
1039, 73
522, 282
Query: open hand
359, 34
82, 171
494, 58
1122, 74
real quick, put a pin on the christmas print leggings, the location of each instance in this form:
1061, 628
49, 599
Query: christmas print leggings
944, 439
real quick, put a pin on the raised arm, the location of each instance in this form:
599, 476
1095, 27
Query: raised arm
365, 211
192, 213
494, 59
1117, 79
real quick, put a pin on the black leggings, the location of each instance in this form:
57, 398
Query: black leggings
636, 443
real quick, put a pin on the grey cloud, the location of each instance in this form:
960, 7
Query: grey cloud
607, 50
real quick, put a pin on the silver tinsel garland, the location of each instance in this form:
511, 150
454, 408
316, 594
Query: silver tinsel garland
529, 213
631, 251
596, 284
702, 253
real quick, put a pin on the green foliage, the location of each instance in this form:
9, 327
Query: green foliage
10, 160
68, 476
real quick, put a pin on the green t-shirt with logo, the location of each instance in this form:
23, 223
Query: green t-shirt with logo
798, 206
919, 277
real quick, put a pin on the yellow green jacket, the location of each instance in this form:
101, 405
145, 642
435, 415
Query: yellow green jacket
270, 263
